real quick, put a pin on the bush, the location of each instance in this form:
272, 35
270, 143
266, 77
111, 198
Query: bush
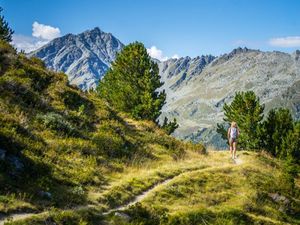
169, 127
6, 56
57, 123
142, 215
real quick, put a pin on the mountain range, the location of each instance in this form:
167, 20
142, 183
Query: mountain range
196, 88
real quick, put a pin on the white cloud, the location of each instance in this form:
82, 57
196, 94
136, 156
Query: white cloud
26, 43
41, 35
285, 42
44, 31
156, 53
175, 56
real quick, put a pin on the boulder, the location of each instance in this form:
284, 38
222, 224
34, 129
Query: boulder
122, 215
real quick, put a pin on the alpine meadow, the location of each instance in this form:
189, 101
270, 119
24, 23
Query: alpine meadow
97, 132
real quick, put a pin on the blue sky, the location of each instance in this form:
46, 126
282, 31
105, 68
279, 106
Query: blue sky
176, 27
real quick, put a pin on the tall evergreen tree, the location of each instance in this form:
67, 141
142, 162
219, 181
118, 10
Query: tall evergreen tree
5, 31
247, 111
131, 84
274, 130
290, 148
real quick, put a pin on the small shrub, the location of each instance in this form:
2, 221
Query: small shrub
142, 215
57, 123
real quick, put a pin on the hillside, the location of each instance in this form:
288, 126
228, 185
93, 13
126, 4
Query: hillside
68, 158
58, 145
197, 189
84, 57
196, 99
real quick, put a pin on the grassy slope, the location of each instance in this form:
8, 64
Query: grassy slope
62, 141
222, 192
82, 152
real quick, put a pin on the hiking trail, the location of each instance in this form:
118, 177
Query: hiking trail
138, 198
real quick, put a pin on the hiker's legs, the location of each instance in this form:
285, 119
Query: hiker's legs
234, 149
231, 147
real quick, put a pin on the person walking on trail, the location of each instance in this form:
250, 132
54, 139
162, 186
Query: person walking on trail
233, 134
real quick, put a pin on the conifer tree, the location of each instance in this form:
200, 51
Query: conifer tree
5, 31
131, 84
171, 126
274, 130
247, 111
290, 148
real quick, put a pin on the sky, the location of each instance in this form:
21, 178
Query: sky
168, 28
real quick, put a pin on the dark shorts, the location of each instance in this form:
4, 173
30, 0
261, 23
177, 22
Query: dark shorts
232, 140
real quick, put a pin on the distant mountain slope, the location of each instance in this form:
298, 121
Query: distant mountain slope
84, 57
198, 101
196, 88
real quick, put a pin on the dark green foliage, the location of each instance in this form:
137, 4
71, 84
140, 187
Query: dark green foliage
6, 56
141, 215
274, 130
170, 127
5, 31
291, 144
130, 85
247, 112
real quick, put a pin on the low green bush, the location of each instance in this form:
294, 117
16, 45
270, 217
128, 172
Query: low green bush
57, 123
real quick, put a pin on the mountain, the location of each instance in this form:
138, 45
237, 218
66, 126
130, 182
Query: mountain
198, 88
84, 57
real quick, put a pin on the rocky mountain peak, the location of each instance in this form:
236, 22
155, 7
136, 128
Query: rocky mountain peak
84, 57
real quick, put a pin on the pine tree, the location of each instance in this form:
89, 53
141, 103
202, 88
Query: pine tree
290, 148
131, 84
170, 127
5, 31
274, 130
247, 112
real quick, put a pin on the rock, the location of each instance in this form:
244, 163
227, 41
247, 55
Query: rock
2, 154
45, 194
122, 215
282, 200
279, 198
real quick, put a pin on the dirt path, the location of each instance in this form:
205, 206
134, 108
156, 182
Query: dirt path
138, 198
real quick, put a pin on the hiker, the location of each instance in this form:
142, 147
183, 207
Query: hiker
233, 134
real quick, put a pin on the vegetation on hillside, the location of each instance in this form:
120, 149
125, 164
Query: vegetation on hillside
247, 111
131, 84
5, 31
57, 142
277, 134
